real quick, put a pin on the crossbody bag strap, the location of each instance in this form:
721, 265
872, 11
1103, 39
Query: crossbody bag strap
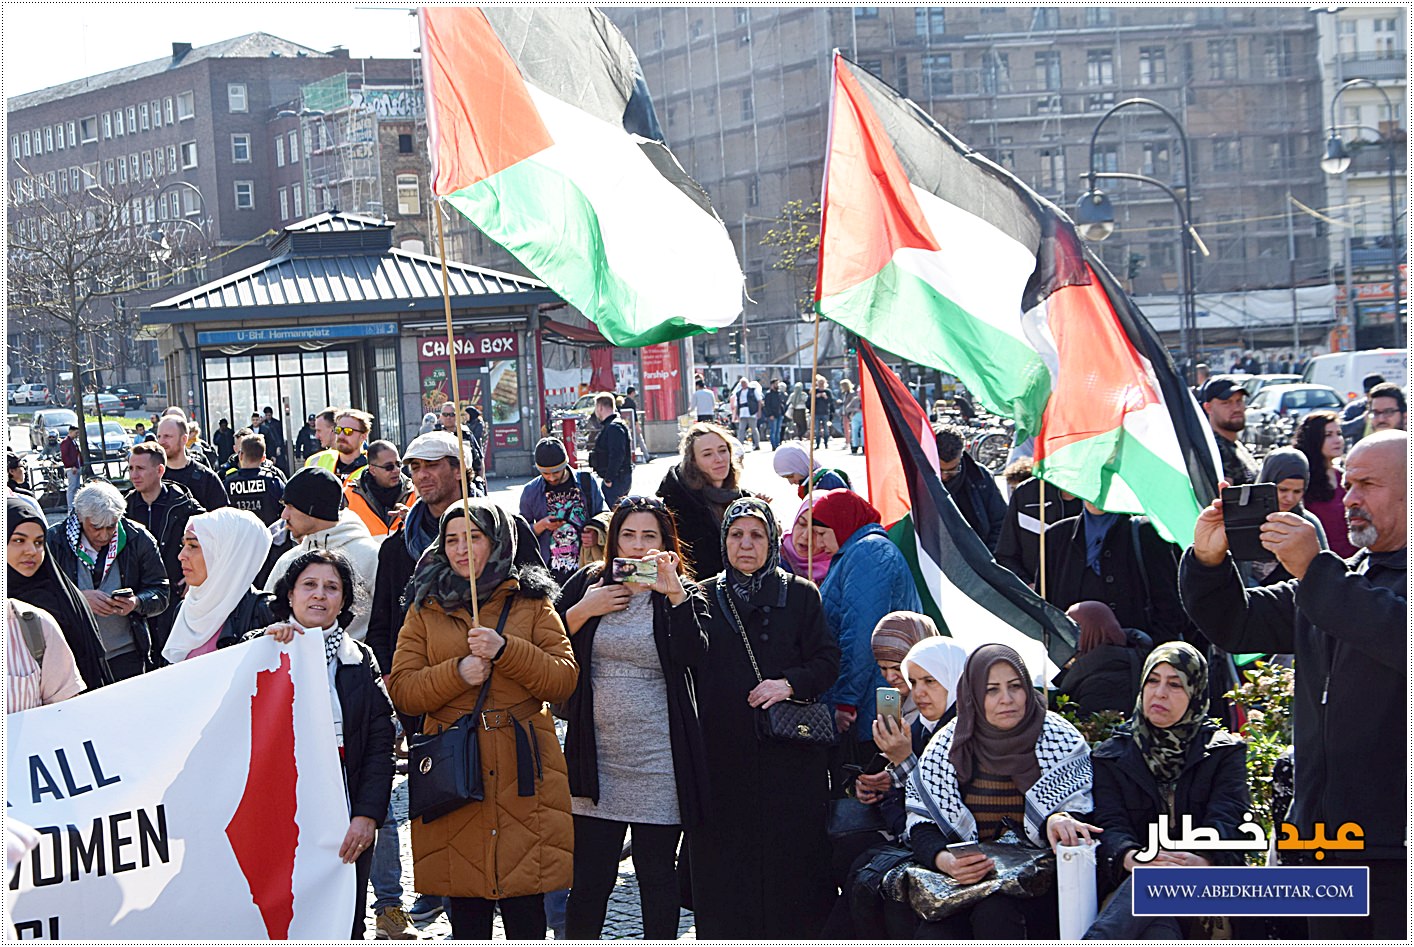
726, 599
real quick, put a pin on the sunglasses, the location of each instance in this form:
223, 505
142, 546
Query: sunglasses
640, 503
349, 431
386, 467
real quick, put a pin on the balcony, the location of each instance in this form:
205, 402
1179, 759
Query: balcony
1374, 65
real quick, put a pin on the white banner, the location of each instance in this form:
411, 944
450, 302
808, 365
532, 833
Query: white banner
204, 801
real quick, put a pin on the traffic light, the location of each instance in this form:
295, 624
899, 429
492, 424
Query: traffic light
851, 344
1136, 262
735, 339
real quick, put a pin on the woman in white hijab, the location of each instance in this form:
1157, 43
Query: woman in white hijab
932, 668
221, 553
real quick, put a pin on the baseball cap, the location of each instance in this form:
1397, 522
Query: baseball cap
434, 445
1220, 389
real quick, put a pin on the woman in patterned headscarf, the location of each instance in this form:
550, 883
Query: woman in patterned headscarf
1003, 761
761, 860
1168, 750
507, 851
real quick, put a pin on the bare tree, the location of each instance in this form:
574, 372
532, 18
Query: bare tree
73, 254
795, 238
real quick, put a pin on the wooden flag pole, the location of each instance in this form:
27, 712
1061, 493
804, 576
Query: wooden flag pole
456, 399
810, 510
1041, 581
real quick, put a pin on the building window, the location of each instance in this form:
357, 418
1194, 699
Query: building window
156, 113
284, 197
866, 13
279, 151
132, 119
59, 136
1227, 154
1276, 57
937, 73
1048, 70
143, 117
90, 175
1099, 101
188, 154
743, 16
1105, 158
875, 67
297, 196
404, 144
159, 158
996, 72
929, 21
294, 148
15, 144
1053, 170
1099, 16
236, 97
191, 202
118, 129
122, 170
110, 173
167, 111
73, 142
748, 107
50, 178
24, 144
1161, 254
162, 207
48, 138
1222, 59
149, 206
172, 158
107, 125
1156, 160
186, 106
409, 195
1100, 67
147, 166
74, 180
245, 195
1153, 69
1045, 18
134, 170
240, 148
901, 75
89, 128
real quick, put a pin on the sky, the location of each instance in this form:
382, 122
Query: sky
48, 43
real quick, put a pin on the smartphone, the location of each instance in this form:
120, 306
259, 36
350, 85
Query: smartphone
888, 703
876, 765
963, 849
1245, 509
122, 593
637, 571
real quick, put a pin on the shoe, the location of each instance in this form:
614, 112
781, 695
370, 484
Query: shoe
395, 924
426, 907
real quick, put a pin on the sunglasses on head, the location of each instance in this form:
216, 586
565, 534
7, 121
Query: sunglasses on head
349, 431
640, 503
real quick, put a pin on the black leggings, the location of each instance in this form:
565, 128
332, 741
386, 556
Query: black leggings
597, 846
523, 917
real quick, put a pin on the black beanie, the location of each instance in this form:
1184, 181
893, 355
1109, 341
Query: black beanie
315, 492
550, 454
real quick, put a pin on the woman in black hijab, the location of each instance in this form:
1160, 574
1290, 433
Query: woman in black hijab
34, 580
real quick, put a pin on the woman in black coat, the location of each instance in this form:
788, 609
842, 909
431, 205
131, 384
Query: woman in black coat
1168, 747
634, 748
698, 489
761, 860
317, 594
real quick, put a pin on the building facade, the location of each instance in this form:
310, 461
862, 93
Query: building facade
743, 95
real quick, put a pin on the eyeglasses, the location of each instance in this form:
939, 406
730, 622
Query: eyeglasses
449, 414
1385, 413
947, 473
349, 431
386, 467
640, 503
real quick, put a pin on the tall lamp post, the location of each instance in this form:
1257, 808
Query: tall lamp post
1095, 216
1337, 161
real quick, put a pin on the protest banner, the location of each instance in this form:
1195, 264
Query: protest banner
203, 801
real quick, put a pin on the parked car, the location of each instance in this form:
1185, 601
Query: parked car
32, 394
1291, 401
131, 399
1256, 383
101, 403
50, 421
1344, 371
10, 389
113, 443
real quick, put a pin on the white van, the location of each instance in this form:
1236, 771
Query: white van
1344, 371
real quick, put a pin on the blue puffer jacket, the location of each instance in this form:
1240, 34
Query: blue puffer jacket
868, 578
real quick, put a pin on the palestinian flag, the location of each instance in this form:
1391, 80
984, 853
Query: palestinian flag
930, 250
955, 573
541, 133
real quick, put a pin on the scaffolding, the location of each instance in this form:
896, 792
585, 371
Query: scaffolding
342, 170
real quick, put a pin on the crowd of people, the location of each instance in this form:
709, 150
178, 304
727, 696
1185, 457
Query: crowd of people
720, 672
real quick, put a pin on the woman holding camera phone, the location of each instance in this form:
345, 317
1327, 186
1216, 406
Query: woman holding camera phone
634, 748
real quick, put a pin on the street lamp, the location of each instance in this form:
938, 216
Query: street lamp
1337, 161
1096, 220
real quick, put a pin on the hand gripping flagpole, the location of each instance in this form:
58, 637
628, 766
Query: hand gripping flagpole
456, 399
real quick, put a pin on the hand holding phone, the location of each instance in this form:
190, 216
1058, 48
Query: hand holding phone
1245, 510
122, 593
964, 863
888, 702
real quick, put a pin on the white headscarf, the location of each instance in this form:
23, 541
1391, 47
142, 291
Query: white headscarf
940, 656
235, 544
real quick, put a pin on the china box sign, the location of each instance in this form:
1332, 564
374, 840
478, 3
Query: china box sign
487, 346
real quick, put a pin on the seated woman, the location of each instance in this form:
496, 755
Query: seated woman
797, 555
1004, 761
1104, 674
794, 464
1168, 749
317, 593
221, 553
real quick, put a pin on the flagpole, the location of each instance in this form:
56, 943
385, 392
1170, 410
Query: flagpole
456, 399
1041, 584
810, 510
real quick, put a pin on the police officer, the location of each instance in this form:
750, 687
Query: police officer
254, 486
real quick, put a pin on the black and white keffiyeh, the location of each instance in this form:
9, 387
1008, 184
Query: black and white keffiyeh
934, 796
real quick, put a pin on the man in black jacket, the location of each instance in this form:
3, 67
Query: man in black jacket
163, 509
612, 456
972, 488
183, 468
1019, 545
773, 409
1344, 620
115, 564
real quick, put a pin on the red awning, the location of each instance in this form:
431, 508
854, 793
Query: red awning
572, 334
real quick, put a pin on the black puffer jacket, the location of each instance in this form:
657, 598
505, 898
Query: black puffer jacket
140, 565
1212, 789
166, 519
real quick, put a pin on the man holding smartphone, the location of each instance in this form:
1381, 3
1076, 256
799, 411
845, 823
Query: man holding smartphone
557, 504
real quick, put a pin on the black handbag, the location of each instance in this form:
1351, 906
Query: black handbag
848, 816
444, 768
804, 722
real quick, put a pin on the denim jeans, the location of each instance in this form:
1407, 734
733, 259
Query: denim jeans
387, 871
822, 431
72, 476
856, 430
777, 423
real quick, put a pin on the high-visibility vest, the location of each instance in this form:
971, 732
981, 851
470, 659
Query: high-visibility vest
355, 501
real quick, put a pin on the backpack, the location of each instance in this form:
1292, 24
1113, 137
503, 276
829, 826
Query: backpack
33, 633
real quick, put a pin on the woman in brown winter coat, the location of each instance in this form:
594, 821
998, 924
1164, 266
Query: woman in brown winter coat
517, 844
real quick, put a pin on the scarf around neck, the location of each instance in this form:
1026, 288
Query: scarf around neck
73, 532
747, 585
435, 578
978, 744
819, 563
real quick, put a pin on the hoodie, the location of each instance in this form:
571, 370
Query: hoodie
350, 537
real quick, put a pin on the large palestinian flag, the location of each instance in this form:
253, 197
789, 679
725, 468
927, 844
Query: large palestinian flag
930, 250
962, 586
541, 132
